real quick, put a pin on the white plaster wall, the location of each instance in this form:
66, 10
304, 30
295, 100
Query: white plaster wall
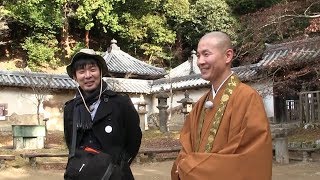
20, 101
194, 94
22, 107
265, 89
136, 99
53, 109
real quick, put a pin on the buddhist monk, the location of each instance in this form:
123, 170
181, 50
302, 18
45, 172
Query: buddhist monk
226, 135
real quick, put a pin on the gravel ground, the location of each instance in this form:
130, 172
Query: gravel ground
161, 171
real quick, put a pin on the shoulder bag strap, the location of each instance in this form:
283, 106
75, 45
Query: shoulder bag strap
108, 172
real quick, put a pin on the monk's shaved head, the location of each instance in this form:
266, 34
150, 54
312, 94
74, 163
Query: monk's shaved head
215, 55
221, 39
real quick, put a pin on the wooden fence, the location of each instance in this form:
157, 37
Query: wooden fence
306, 109
310, 106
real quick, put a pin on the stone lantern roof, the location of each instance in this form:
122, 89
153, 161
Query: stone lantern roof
186, 99
162, 94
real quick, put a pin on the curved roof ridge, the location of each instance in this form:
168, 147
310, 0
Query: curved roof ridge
119, 61
139, 61
293, 44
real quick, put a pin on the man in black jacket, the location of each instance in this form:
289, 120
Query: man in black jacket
98, 123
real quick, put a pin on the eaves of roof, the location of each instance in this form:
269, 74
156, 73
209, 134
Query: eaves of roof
245, 73
177, 83
129, 85
37, 80
62, 81
295, 52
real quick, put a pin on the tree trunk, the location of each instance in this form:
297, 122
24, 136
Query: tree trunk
66, 50
87, 40
179, 48
38, 110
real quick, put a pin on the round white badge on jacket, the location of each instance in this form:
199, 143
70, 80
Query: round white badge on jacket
108, 129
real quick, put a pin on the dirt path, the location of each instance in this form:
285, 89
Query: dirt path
29, 174
297, 171
161, 171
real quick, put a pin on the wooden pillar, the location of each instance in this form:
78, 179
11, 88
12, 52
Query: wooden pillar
307, 110
312, 110
318, 104
301, 110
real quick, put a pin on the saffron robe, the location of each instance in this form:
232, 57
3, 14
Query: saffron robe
242, 148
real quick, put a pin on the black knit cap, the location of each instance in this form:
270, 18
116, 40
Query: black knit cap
87, 53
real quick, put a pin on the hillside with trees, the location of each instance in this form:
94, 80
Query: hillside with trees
43, 34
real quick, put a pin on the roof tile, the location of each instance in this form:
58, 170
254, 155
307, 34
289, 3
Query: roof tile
121, 62
295, 51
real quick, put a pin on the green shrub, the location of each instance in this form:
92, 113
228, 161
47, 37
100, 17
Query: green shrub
41, 50
77, 47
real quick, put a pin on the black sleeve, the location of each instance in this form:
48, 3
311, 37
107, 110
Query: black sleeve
133, 131
67, 122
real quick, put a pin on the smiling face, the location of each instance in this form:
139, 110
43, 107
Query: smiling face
214, 58
87, 75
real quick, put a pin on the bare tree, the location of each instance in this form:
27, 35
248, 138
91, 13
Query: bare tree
40, 86
283, 22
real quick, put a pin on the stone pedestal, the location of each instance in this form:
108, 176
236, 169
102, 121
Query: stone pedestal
142, 116
28, 136
142, 111
163, 118
281, 150
162, 106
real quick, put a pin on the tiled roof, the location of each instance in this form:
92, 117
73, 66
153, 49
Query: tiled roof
32, 79
245, 73
193, 80
186, 68
63, 81
129, 85
295, 51
121, 62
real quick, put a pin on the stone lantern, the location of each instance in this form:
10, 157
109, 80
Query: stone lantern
142, 112
45, 120
162, 106
186, 103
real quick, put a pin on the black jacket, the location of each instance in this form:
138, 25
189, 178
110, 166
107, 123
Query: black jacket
117, 111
